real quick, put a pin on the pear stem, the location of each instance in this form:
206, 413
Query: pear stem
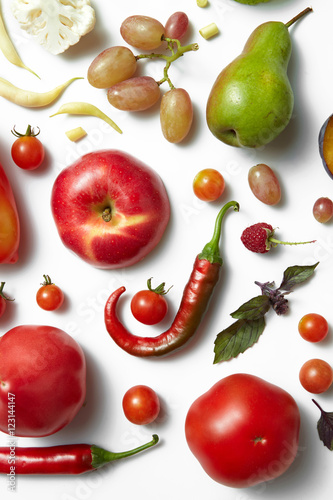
296, 18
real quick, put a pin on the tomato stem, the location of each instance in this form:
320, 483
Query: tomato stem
30, 132
2, 284
160, 289
47, 280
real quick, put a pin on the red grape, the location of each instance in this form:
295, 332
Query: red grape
142, 32
264, 184
134, 94
176, 115
323, 209
111, 66
176, 26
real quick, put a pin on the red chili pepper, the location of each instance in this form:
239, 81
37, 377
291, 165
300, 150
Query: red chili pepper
196, 296
63, 459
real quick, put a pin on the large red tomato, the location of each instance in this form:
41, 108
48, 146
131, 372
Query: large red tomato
244, 430
9, 222
110, 208
43, 380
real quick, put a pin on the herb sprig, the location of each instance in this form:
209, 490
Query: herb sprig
250, 317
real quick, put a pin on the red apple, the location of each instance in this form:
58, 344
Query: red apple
110, 208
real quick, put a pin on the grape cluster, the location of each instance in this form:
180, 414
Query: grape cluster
114, 69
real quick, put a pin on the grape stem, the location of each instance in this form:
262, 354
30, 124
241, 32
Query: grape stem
177, 50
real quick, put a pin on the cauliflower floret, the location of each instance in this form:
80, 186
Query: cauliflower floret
56, 24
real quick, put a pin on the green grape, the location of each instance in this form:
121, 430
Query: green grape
135, 94
176, 115
264, 184
111, 66
142, 32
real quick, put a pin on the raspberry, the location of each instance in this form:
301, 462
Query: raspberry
259, 238
256, 237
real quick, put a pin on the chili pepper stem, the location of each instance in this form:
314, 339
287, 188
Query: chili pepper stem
211, 251
102, 457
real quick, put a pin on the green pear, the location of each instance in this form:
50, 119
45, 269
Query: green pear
251, 101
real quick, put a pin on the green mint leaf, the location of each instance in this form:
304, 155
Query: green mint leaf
325, 427
296, 275
237, 338
253, 309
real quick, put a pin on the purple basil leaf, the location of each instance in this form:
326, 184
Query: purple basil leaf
296, 275
325, 427
237, 338
253, 309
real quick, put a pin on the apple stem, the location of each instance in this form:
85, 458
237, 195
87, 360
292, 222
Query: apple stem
107, 214
296, 18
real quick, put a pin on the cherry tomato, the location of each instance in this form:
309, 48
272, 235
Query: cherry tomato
316, 376
141, 405
208, 184
150, 306
3, 299
49, 296
313, 327
27, 151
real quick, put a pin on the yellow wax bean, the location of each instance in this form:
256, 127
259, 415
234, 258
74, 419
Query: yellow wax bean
8, 49
31, 99
209, 31
75, 134
84, 108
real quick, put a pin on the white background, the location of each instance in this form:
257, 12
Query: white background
170, 470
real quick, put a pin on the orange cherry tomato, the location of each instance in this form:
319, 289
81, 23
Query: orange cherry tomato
316, 376
208, 184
